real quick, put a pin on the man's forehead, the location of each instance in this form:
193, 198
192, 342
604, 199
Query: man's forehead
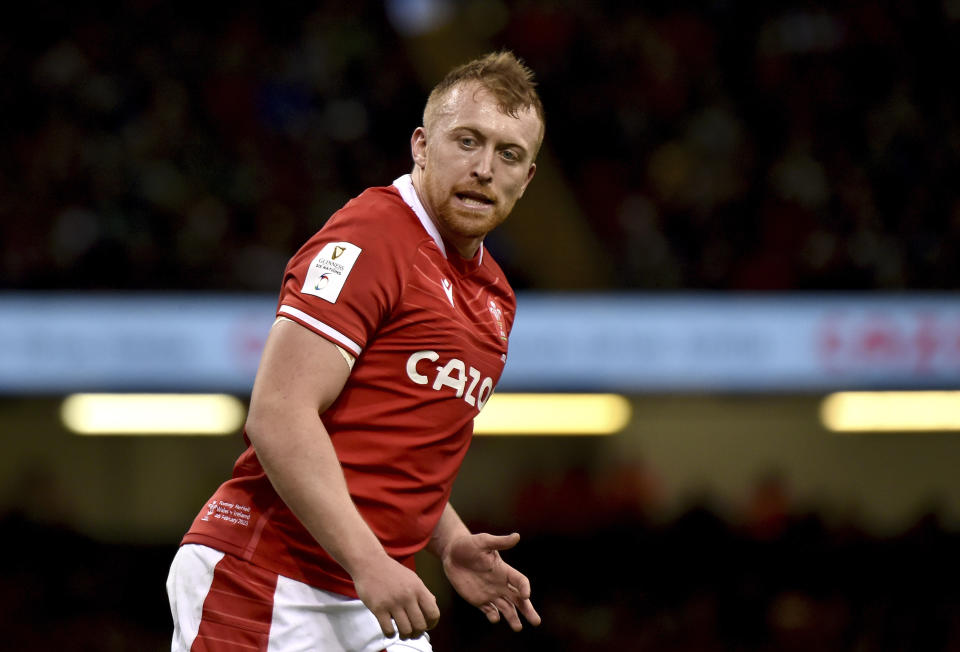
472, 99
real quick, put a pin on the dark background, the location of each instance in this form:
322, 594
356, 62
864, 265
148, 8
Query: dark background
691, 146
703, 145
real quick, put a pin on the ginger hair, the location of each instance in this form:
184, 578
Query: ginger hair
501, 74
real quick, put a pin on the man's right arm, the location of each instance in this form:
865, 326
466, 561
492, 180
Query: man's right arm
300, 375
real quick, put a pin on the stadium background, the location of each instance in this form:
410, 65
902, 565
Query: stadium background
692, 147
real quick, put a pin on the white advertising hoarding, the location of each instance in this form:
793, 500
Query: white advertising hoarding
63, 342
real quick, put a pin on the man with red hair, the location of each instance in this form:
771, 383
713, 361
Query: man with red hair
391, 333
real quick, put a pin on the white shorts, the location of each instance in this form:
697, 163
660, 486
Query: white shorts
223, 604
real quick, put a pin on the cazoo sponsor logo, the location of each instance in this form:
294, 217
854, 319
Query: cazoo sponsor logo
463, 379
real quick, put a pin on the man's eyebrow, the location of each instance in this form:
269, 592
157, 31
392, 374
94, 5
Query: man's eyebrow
480, 135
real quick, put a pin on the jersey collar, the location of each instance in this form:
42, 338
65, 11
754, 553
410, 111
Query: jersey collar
409, 195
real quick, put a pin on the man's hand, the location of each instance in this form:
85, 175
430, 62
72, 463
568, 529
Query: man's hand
474, 567
394, 592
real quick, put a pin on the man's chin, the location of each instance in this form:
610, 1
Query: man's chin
471, 226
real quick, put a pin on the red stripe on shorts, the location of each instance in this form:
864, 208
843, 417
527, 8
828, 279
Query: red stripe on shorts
238, 609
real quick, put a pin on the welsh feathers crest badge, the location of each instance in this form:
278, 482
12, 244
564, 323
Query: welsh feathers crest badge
497, 317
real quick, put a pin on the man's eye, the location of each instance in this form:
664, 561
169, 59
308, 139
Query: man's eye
509, 155
468, 142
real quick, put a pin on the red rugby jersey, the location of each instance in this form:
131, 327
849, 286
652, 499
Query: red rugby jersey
429, 330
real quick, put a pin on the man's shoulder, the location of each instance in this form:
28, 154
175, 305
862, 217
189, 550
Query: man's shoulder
378, 213
377, 225
378, 197
375, 205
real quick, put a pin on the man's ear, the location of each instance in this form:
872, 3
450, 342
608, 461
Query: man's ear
418, 147
530, 173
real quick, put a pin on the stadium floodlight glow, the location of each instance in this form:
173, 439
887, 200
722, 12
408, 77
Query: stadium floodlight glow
553, 414
852, 412
152, 414
222, 414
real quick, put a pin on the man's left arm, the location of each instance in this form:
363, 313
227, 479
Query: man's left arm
475, 569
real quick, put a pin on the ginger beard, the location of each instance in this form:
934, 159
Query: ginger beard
473, 164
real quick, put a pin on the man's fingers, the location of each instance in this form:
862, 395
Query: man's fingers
386, 625
491, 612
526, 608
418, 621
403, 624
509, 611
494, 542
417, 617
431, 612
519, 584
402, 604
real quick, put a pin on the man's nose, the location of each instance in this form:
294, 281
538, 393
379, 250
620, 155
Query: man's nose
483, 165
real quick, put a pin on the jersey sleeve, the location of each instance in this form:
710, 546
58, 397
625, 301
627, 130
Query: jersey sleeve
349, 276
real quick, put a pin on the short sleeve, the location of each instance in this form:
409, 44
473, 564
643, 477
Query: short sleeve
348, 277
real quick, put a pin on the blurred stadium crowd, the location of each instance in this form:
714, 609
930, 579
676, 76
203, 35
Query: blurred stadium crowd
709, 145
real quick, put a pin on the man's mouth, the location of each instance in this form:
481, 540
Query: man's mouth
475, 199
